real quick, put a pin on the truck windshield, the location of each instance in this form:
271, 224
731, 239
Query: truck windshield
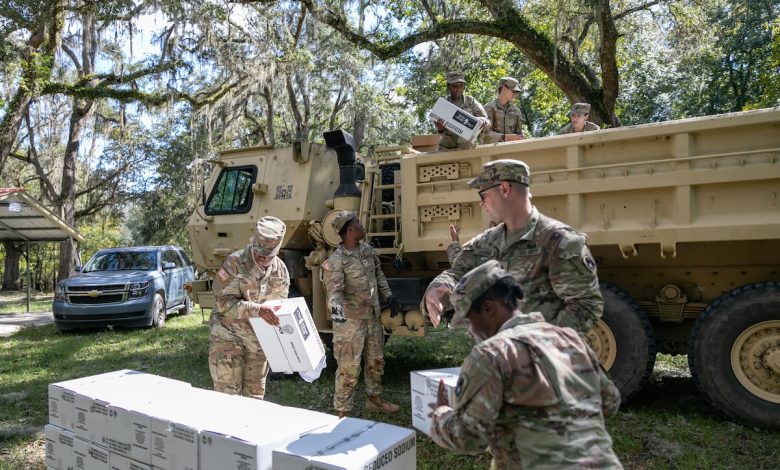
122, 261
233, 192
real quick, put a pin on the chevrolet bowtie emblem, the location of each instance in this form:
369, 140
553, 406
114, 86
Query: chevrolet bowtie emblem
93, 293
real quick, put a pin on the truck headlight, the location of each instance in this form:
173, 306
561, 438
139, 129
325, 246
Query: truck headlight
139, 289
59, 293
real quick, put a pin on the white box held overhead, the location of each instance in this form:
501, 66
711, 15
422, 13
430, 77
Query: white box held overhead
425, 387
294, 345
351, 444
460, 122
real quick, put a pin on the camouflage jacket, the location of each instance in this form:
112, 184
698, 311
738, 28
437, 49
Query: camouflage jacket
240, 285
506, 120
568, 129
450, 140
549, 259
537, 395
354, 280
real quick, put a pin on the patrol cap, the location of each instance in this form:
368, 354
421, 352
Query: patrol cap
342, 219
510, 83
580, 108
515, 171
455, 77
471, 286
269, 234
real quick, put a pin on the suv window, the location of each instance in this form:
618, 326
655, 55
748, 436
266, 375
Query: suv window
122, 261
233, 192
170, 256
183, 254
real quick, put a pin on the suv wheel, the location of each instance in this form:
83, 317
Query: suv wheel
158, 316
186, 309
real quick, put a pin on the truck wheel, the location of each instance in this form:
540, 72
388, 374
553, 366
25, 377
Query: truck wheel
623, 341
158, 314
734, 354
186, 309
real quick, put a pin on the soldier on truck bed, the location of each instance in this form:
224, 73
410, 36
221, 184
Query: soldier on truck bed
506, 120
456, 84
579, 115
549, 259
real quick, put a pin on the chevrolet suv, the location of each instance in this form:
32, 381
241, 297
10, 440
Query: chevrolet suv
136, 286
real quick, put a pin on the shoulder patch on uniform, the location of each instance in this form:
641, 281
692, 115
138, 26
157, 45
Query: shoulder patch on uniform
223, 275
326, 265
589, 263
463, 381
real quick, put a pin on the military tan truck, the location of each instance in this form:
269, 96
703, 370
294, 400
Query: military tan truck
683, 219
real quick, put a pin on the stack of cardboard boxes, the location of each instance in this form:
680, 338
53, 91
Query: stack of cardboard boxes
129, 420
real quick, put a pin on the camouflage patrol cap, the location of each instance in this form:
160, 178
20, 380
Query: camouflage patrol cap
455, 77
342, 219
471, 286
269, 234
580, 108
503, 170
510, 83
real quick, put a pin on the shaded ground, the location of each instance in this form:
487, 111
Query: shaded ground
13, 322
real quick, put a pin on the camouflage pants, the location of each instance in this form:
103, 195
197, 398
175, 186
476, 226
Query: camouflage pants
352, 340
236, 361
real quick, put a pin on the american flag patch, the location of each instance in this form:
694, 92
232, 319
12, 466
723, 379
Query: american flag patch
223, 275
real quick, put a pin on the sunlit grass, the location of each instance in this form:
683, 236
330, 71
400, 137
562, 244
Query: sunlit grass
667, 426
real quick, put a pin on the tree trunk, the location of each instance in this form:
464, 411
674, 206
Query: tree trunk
11, 266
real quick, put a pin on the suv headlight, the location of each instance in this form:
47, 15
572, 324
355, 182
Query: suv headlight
139, 289
59, 293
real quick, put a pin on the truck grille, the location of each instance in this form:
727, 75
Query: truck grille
92, 295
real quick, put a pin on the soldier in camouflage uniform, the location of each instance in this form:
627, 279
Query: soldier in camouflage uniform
549, 259
579, 115
456, 84
534, 392
355, 285
505, 118
246, 279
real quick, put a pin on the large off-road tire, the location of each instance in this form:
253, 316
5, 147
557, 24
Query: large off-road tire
734, 354
158, 313
623, 341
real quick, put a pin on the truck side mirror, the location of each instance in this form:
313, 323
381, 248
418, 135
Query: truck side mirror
168, 265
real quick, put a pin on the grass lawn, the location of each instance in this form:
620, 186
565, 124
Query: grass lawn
668, 426
16, 302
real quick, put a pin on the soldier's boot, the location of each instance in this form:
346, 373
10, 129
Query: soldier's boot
343, 414
375, 403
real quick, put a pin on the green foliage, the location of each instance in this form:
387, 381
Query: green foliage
100, 232
160, 215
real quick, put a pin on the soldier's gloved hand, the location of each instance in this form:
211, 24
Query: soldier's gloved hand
337, 314
395, 306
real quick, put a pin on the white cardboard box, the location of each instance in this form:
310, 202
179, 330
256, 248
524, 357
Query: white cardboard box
61, 396
460, 122
89, 456
294, 345
91, 402
59, 447
351, 444
425, 387
120, 462
246, 443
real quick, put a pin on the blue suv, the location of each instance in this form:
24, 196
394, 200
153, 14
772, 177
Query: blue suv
135, 286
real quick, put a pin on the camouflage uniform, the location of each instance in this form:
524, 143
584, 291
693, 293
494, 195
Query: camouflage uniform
535, 393
354, 280
549, 259
504, 120
568, 129
449, 140
236, 361
582, 109
453, 250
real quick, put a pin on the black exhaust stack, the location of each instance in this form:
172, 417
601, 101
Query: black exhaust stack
344, 146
